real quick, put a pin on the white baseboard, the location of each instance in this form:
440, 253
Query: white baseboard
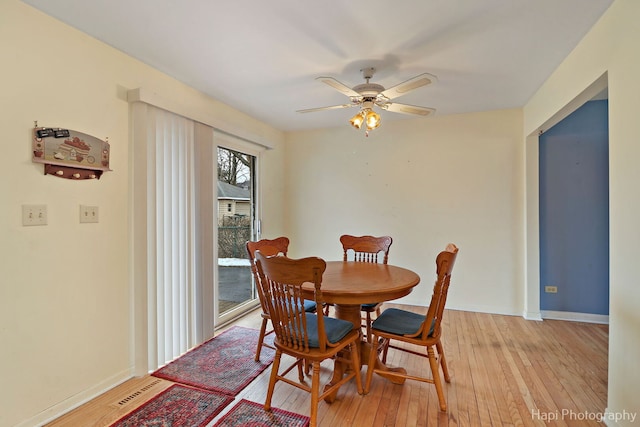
532, 315
76, 400
619, 418
607, 421
483, 309
575, 317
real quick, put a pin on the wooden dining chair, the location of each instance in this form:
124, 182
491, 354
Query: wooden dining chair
269, 247
366, 249
305, 336
418, 329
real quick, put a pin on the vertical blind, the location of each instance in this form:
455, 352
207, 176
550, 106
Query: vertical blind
171, 241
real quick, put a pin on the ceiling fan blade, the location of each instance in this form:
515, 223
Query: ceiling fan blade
340, 87
409, 109
408, 86
333, 107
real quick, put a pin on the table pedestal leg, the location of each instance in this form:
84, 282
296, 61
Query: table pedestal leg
352, 314
349, 312
380, 366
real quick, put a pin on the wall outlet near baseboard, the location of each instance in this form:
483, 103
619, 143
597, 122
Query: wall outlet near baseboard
551, 289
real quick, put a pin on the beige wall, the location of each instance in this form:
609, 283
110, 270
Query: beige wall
611, 47
64, 298
65, 322
425, 182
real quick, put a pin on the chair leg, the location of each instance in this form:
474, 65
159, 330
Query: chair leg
355, 365
301, 362
372, 363
326, 309
315, 394
272, 380
385, 350
435, 372
368, 320
263, 330
443, 362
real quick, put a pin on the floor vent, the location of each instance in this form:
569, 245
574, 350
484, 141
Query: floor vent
137, 393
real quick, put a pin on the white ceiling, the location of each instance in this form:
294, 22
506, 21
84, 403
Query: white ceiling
262, 57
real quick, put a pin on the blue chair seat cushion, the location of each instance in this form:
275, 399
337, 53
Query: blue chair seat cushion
369, 306
336, 329
309, 306
400, 322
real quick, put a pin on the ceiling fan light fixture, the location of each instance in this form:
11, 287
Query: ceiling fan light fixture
357, 120
372, 119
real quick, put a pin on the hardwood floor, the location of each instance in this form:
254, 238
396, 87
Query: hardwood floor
505, 371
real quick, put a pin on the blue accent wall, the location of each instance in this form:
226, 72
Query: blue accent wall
574, 212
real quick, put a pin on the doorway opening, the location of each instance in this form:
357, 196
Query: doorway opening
597, 90
574, 216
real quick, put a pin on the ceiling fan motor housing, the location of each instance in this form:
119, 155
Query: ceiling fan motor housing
369, 89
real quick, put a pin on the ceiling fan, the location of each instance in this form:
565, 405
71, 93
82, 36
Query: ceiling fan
366, 95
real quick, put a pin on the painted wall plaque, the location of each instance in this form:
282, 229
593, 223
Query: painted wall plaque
70, 154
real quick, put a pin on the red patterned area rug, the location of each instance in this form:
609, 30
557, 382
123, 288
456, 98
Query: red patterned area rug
177, 406
247, 413
224, 363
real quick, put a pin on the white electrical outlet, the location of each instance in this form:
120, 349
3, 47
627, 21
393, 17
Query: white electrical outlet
34, 215
88, 213
551, 289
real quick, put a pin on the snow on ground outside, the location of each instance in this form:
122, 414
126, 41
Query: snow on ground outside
233, 262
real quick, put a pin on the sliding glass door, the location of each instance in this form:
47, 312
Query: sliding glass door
236, 291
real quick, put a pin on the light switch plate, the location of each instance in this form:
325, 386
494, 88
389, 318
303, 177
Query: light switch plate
34, 215
88, 213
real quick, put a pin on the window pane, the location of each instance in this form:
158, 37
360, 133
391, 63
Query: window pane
236, 289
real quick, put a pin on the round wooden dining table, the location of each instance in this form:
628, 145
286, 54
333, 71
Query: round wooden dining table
348, 284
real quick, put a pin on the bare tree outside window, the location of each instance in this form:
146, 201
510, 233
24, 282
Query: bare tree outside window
233, 167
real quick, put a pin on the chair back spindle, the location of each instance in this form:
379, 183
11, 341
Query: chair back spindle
365, 248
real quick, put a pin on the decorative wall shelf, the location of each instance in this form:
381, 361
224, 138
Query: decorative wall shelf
70, 154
